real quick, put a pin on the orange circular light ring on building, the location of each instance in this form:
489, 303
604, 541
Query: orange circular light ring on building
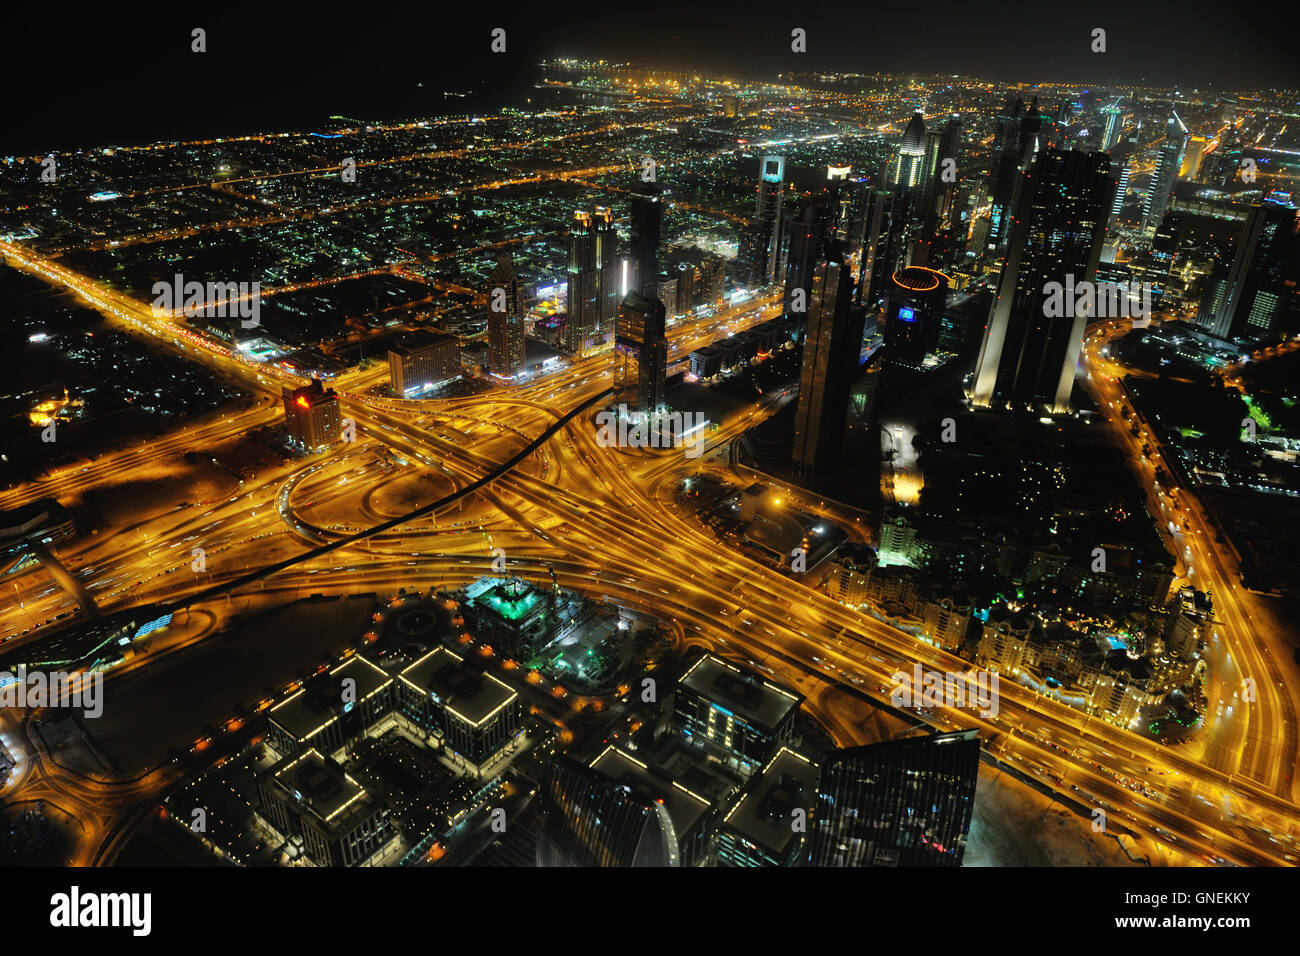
919, 279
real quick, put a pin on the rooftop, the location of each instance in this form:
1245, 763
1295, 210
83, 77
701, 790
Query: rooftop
684, 807
740, 691
763, 814
463, 690
320, 784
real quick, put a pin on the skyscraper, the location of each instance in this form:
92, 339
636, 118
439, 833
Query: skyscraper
311, 414
1121, 193
888, 233
900, 803
643, 259
810, 232
1168, 162
685, 288
830, 360
1019, 132
941, 143
593, 278
609, 281
1114, 126
765, 231
422, 360
841, 193
1027, 360
909, 162
914, 307
1249, 299
640, 354
587, 819
505, 325
584, 284
1191, 166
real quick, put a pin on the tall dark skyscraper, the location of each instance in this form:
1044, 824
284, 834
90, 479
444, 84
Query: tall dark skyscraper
640, 354
934, 243
765, 231
830, 361
1027, 360
941, 142
841, 193
901, 803
1250, 299
587, 819
888, 230
810, 233
914, 307
1018, 143
647, 219
505, 326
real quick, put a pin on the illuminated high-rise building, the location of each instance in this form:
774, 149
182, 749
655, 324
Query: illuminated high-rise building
1168, 161
423, 360
886, 243
594, 278
640, 354
909, 162
584, 285
609, 276
686, 284
832, 343
1121, 193
941, 143
1191, 166
1114, 126
1027, 359
711, 280
311, 413
505, 325
765, 231
904, 802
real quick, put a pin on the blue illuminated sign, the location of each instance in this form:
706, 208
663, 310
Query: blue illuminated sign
907, 315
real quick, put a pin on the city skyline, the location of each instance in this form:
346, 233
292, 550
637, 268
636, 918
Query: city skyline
640, 450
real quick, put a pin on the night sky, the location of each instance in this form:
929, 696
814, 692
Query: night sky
131, 77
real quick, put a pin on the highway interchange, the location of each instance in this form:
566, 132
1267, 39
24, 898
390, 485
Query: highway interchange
593, 516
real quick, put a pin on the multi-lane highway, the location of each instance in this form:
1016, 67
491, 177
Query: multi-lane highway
592, 514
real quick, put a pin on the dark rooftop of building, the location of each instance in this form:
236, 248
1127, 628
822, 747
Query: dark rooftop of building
764, 812
740, 691
684, 807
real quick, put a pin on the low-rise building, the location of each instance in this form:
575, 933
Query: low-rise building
768, 825
470, 713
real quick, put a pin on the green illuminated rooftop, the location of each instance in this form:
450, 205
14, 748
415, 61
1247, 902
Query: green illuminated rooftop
511, 604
